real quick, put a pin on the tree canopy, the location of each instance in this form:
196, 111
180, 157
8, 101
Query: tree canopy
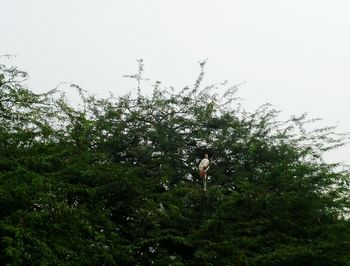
115, 181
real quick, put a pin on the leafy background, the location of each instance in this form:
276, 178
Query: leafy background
115, 182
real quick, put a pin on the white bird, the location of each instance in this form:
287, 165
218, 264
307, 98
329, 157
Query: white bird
203, 168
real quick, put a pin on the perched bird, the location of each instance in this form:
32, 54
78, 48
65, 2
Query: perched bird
203, 168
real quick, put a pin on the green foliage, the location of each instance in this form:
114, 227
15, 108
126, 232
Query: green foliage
115, 181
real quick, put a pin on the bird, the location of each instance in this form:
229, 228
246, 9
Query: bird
203, 168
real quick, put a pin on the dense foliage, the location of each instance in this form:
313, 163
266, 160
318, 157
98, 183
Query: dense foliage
115, 181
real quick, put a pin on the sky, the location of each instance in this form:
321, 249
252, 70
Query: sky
294, 55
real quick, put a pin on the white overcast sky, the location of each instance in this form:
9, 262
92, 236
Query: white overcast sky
292, 54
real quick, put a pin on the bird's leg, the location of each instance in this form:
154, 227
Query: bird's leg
205, 182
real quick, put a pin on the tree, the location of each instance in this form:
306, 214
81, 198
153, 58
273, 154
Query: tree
115, 181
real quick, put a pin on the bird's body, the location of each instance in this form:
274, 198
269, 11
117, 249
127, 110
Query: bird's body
203, 168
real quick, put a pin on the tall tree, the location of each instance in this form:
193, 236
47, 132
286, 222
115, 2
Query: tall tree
115, 181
